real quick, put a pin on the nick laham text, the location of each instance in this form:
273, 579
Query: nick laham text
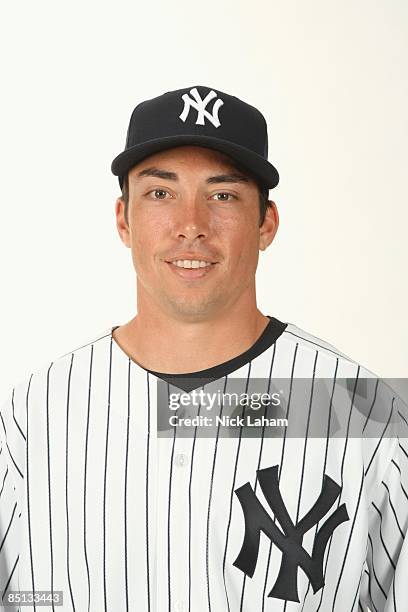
226, 421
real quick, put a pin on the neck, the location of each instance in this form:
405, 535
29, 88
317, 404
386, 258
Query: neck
162, 343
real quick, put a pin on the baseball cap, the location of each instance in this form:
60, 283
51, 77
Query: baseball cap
202, 116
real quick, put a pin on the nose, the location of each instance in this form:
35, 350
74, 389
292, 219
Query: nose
192, 220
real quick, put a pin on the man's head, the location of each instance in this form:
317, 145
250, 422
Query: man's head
194, 203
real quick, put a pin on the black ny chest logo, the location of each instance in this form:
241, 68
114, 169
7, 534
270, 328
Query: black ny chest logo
289, 541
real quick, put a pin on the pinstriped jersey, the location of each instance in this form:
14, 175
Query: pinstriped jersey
95, 504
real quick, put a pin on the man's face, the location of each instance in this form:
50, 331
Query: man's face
190, 203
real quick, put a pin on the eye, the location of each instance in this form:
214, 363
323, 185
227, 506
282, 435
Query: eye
161, 194
225, 195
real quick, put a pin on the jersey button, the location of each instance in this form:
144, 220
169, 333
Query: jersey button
179, 606
181, 459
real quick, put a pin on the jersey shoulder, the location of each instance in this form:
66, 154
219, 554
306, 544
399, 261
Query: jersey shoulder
96, 338
375, 397
295, 334
17, 394
350, 370
29, 399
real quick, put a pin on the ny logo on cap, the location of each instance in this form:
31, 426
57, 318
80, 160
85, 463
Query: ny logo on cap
200, 106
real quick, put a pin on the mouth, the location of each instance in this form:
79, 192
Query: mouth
191, 273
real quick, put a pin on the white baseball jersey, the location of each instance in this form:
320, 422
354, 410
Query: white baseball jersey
95, 504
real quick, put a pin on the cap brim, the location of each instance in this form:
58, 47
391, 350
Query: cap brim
258, 165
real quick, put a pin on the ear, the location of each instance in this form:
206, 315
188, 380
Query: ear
269, 227
122, 226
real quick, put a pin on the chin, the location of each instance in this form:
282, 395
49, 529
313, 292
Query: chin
194, 311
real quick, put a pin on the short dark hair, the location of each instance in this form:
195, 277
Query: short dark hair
263, 192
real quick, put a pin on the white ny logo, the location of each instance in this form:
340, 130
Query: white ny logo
200, 106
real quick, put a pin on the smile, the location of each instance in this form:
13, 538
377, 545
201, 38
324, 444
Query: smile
191, 263
190, 269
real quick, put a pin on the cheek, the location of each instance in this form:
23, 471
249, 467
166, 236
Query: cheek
241, 242
148, 232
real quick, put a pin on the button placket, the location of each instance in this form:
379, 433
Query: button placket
179, 523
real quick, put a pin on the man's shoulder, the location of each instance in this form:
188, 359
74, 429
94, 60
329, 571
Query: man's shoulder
355, 375
97, 338
39, 377
308, 341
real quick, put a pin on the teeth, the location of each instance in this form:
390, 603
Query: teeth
191, 263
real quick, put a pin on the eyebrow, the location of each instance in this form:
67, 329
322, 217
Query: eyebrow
233, 177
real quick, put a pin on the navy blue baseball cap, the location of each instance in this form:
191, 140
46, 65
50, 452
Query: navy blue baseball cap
200, 116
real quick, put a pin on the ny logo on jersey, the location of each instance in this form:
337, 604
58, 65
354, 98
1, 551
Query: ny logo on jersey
200, 106
290, 541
